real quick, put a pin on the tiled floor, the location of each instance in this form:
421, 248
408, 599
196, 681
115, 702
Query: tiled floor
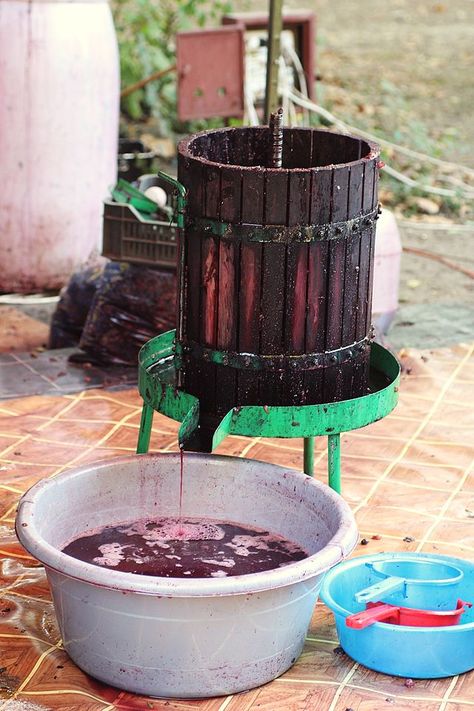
408, 478
51, 373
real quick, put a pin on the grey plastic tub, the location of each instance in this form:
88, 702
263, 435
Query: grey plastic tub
184, 637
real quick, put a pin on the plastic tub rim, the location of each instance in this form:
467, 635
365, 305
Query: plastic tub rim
337, 548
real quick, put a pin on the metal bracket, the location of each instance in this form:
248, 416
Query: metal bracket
253, 361
282, 233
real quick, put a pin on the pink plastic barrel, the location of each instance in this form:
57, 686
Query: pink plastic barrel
59, 110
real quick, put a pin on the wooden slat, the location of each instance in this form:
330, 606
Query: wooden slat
300, 149
351, 276
299, 197
296, 283
333, 379
360, 373
227, 322
249, 317
295, 318
212, 179
316, 315
231, 194
321, 196
276, 186
253, 190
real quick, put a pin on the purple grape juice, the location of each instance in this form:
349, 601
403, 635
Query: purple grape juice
184, 548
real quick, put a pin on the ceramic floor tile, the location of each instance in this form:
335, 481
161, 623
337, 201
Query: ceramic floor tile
131, 702
59, 700
439, 547
393, 426
370, 467
427, 476
440, 454
461, 392
362, 445
456, 433
371, 543
455, 532
383, 519
19, 656
322, 626
402, 496
318, 662
79, 434
363, 700
462, 508
434, 689
464, 689
285, 696
45, 453
28, 616
356, 488
469, 482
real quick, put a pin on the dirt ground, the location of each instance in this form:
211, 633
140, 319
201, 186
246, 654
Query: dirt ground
409, 60
406, 69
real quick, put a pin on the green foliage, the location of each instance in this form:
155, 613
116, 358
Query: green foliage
146, 31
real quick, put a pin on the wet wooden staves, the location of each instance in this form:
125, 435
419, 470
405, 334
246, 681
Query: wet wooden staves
278, 266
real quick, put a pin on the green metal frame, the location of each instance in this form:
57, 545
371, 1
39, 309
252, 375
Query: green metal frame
158, 365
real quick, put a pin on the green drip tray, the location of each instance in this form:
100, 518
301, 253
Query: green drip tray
158, 388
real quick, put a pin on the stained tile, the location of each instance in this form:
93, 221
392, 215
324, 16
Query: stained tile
380, 543
370, 467
355, 488
19, 656
363, 700
454, 532
383, 519
441, 548
461, 392
74, 433
424, 475
56, 701
28, 616
285, 696
394, 425
440, 454
132, 702
22, 476
464, 689
101, 409
384, 683
362, 444
322, 626
408, 497
44, 453
318, 662
449, 434
462, 508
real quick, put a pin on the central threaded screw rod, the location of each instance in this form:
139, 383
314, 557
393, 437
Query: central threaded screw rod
276, 135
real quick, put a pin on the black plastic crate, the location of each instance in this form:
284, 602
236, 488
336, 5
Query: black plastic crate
128, 238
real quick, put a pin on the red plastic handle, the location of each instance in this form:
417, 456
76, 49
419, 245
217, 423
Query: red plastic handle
377, 613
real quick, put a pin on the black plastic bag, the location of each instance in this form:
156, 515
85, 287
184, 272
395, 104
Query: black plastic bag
71, 312
132, 304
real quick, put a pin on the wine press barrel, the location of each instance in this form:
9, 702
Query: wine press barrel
276, 268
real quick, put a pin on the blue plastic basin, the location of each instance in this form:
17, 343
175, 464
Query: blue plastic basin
419, 652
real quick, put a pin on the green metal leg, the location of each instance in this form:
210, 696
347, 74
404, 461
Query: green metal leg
145, 429
309, 455
334, 462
